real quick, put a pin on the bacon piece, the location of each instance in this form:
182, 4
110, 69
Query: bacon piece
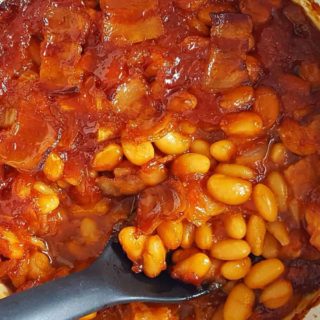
225, 70
235, 26
230, 37
64, 34
312, 217
300, 139
26, 136
131, 21
303, 177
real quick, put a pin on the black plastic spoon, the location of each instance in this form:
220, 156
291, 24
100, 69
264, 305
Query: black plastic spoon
107, 282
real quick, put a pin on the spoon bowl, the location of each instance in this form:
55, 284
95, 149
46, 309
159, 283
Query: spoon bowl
108, 281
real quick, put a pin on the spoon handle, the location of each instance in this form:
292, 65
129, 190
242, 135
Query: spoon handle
64, 299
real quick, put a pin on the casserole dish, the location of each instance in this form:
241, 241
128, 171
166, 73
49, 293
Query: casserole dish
193, 123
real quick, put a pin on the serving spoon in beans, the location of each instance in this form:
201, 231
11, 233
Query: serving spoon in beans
108, 281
